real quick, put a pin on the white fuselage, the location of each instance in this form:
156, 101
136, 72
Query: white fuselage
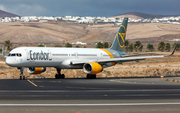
56, 57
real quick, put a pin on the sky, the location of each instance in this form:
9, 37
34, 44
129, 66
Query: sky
94, 8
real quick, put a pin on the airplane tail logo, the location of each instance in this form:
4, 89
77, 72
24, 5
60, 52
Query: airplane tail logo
121, 36
119, 40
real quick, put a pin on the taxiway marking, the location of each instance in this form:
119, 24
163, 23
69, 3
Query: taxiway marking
137, 81
46, 81
56, 81
113, 104
32, 83
131, 82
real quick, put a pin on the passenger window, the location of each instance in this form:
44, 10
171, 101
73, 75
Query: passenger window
9, 54
20, 55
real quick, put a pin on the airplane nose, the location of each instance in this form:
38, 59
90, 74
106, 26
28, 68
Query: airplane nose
9, 61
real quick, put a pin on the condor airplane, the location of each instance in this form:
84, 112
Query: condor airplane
91, 60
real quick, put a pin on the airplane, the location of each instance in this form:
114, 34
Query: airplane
91, 60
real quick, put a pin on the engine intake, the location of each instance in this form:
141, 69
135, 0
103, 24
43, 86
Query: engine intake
36, 70
92, 68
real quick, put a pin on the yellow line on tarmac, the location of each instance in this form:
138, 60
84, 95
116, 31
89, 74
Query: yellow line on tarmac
55, 81
32, 83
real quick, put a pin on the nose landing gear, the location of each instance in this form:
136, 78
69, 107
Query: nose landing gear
21, 74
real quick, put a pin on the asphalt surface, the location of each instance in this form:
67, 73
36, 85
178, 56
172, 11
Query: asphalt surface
142, 95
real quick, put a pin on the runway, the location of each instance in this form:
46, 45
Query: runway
90, 95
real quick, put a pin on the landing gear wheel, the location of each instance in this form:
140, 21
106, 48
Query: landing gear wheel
20, 78
62, 76
91, 76
57, 76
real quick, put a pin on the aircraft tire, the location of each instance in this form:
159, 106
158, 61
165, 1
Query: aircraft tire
91, 76
20, 77
24, 77
59, 76
62, 76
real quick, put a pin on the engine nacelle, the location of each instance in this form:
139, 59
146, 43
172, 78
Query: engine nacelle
92, 68
36, 70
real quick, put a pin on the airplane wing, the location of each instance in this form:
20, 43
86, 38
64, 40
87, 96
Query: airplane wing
128, 59
138, 54
122, 59
83, 61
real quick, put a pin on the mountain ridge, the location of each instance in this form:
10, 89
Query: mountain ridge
7, 14
139, 15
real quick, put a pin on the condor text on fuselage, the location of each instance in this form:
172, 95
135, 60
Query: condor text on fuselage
38, 55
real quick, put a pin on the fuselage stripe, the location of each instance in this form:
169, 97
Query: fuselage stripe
110, 55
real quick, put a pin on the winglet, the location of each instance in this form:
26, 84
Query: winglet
3, 52
173, 50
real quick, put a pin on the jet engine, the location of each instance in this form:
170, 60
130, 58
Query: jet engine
36, 70
92, 68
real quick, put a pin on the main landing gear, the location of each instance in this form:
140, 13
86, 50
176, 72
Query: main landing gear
91, 76
21, 74
59, 75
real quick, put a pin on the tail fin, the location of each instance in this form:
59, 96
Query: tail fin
3, 52
119, 41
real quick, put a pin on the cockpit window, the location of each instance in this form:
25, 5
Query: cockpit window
14, 54
19, 55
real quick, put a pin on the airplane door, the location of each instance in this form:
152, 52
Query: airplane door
50, 55
101, 55
28, 55
76, 54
